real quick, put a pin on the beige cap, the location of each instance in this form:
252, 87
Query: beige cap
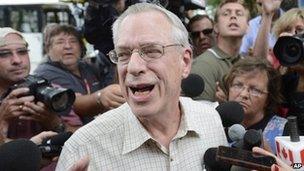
4, 31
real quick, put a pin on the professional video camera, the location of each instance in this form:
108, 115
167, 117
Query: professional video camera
289, 49
56, 99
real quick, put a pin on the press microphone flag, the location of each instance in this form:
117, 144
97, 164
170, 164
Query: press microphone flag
291, 148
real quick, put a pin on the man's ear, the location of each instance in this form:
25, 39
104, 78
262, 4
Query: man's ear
187, 62
215, 28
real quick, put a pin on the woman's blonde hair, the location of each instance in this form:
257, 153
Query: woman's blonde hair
287, 19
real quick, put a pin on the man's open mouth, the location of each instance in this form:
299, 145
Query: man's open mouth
142, 89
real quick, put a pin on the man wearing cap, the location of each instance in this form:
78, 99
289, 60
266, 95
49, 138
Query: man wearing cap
20, 116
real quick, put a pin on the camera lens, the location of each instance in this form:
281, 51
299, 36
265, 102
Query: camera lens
289, 50
293, 50
57, 99
60, 101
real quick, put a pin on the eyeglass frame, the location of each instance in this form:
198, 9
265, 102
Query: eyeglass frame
114, 57
239, 87
206, 32
6, 53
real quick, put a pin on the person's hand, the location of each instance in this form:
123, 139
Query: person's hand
37, 139
12, 105
220, 95
111, 96
280, 166
269, 7
81, 165
40, 113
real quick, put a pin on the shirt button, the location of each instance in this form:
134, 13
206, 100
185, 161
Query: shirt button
171, 159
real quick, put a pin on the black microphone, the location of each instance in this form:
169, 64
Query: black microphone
211, 164
53, 146
252, 138
19, 155
193, 85
231, 112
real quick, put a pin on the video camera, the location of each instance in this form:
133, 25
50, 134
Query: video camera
56, 99
289, 49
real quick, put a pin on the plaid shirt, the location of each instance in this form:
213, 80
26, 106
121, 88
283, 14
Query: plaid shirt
116, 140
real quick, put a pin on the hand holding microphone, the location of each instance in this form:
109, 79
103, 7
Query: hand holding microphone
52, 147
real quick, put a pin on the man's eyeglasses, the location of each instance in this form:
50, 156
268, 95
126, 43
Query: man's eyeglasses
147, 52
9, 53
239, 87
205, 32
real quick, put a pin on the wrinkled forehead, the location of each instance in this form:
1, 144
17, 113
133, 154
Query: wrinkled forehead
12, 39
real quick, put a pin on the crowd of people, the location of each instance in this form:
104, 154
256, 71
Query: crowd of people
138, 119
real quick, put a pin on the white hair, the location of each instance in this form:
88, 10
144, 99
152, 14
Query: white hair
179, 31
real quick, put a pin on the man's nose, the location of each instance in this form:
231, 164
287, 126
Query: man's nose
136, 63
16, 59
67, 44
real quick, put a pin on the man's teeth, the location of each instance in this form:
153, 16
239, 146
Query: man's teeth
141, 92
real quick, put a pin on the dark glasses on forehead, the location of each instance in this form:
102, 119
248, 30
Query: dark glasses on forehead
205, 32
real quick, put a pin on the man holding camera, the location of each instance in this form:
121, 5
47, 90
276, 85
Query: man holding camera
20, 115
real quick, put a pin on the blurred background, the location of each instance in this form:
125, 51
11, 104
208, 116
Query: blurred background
31, 16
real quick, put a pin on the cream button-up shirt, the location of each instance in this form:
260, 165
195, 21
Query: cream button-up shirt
116, 140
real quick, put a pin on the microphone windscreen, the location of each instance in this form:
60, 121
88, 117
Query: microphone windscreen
252, 138
231, 112
236, 132
211, 164
58, 139
20, 155
193, 85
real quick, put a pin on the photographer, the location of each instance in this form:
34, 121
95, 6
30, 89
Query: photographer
64, 67
20, 115
288, 52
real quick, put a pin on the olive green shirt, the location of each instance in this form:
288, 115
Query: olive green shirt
212, 66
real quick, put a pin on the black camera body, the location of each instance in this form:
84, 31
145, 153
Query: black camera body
289, 49
56, 99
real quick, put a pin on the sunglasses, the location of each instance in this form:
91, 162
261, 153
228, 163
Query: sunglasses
205, 32
10, 53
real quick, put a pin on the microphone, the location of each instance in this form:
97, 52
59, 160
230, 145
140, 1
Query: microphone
236, 133
19, 155
53, 146
193, 85
291, 148
252, 138
211, 164
231, 112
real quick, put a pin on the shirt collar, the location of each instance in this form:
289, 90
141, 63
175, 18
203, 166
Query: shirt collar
136, 135
218, 53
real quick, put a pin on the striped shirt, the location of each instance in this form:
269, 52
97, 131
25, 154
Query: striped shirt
116, 140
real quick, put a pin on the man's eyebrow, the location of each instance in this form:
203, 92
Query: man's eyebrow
123, 47
227, 9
